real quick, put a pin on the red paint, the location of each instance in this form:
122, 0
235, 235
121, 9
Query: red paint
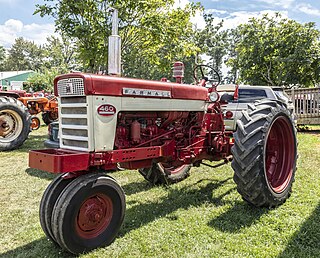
175, 138
178, 71
280, 153
236, 93
113, 86
58, 160
106, 110
135, 131
94, 216
229, 114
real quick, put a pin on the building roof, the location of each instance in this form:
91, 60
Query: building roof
8, 74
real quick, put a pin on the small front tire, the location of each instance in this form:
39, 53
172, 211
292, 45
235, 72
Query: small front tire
48, 201
88, 213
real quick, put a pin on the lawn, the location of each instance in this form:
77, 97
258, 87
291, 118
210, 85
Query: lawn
203, 216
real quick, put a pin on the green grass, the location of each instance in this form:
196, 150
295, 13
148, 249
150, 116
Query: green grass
203, 216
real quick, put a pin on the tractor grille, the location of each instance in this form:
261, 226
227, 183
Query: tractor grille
70, 87
74, 123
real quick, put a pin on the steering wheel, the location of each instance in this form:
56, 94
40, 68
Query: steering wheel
214, 78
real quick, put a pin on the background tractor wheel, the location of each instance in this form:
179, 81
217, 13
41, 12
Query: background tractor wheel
14, 123
88, 213
35, 123
160, 174
265, 154
49, 116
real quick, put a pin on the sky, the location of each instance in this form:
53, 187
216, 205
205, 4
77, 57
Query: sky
17, 19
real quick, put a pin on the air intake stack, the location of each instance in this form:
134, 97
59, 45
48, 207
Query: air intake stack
114, 48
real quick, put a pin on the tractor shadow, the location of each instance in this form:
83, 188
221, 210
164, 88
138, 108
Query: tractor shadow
143, 213
305, 242
240, 215
136, 187
38, 248
40, 174
34, 141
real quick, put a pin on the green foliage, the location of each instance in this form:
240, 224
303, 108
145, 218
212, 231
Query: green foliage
44, 80
233, 38
212, 40
24, 55
60, 53
154, 34
277, 51
2, 57
56, 56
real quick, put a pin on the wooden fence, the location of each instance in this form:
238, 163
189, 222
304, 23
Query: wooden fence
306, 105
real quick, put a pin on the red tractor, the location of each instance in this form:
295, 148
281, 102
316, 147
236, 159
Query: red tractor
162, 129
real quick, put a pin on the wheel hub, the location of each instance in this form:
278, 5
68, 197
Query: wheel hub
6, 125
94, 216
279, 155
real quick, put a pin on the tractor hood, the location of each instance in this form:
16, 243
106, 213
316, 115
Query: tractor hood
91, 84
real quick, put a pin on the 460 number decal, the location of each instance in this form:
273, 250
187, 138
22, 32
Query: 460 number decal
106, 110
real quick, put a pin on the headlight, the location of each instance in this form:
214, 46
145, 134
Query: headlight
214, 96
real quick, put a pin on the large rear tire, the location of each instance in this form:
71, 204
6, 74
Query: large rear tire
88, 213
160, 174
265, 154
14, 123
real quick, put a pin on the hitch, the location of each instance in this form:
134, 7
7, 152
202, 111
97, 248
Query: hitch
225, 161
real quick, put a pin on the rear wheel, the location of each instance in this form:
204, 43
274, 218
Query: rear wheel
14, 123
265, 154
162, 174
88, 213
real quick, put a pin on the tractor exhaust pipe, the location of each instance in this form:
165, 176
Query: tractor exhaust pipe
114, 47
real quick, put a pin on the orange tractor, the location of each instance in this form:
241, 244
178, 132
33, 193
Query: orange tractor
47, 105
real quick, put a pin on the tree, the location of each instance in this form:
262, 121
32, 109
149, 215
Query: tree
60, 53
277, 51
153, 33
44, 80
233, 38
212, 40
2, 57
24, 55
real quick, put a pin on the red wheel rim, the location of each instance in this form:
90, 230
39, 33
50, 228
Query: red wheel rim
35, 123
280, 154
94, 216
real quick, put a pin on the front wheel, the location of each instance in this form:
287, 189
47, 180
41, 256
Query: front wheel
48, 200
162, 174
265, 154
88, 213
